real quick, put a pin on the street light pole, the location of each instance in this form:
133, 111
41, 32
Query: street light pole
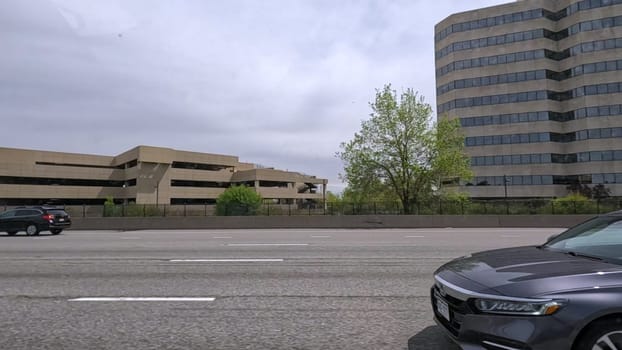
505, 185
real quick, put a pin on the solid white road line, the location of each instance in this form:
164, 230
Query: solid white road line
320, 236
143, 299
222, 237
265, 244
226, 260
414, 236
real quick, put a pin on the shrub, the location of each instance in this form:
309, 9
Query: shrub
109, 206
238, 200
574, 203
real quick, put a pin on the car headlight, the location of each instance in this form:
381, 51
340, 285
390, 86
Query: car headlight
512, 307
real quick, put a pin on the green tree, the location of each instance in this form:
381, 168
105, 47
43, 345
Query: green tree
109, 206
600, 192
333, 197
372, 191
574, 203
400, 150
596, 192
238, 200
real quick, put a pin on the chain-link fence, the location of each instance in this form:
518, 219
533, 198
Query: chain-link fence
432, 207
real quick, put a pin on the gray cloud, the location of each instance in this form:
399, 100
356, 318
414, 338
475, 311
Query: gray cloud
280, 83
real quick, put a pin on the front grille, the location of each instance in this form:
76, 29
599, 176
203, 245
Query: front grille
457, 309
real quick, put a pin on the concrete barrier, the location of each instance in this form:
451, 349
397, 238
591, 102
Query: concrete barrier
334, 222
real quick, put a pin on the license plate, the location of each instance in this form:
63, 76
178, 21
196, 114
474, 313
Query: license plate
61, 219
442, 308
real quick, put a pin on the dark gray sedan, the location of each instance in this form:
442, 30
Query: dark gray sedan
565, 294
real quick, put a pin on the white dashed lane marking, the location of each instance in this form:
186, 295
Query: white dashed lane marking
143, 299
226, 260
265, 244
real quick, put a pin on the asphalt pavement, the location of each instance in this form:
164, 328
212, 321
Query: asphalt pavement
231, 289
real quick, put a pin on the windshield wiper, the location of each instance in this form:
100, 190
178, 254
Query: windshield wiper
581, 255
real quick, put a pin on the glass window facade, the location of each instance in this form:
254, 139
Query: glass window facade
522, 16
528, 96
493, 41
530, 35
586, 47
535, 55
519, 180
588, 112
547, 158
21, 180
489, 22
589, 68
601, 133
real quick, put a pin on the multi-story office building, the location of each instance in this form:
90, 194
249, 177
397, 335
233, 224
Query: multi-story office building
144, 175
537, 85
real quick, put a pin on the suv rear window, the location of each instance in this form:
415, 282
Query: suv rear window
57, 212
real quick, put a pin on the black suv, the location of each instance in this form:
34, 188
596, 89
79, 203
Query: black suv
33, 220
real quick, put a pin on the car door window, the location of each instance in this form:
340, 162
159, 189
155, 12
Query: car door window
7, 214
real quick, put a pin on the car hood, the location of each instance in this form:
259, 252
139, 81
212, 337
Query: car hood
529, 272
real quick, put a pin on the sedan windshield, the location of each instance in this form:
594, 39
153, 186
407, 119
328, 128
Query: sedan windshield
599, 238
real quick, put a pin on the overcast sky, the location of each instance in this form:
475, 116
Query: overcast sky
275, 82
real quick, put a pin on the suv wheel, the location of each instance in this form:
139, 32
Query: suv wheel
603, 334
32, 230
56, 231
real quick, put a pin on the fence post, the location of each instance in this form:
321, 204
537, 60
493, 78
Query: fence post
374, 208
83, 210
289, 209
185, 209
507, 207
574, 205
268, 209
164, 210
462, 207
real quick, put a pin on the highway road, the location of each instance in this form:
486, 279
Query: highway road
231, 289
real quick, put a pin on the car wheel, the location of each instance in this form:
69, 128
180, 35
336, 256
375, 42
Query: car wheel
11, 233
56, 231
603, 334
32, 230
